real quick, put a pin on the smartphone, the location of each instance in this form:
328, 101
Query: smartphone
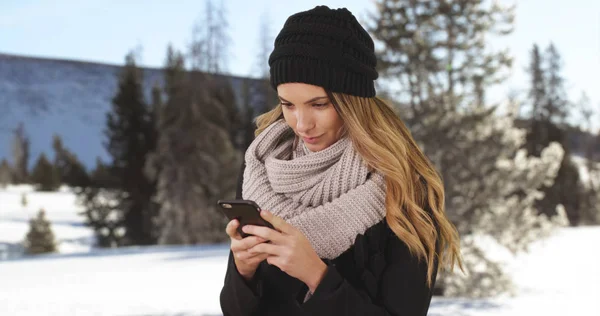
245, 211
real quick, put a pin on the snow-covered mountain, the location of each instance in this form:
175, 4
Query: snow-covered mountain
69, 98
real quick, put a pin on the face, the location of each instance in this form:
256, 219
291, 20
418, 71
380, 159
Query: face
310, 113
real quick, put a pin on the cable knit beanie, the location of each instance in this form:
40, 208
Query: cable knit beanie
327, 48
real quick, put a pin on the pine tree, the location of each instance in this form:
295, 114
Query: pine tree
248, 114
209, 49
194, 158
101, 177
24, 201
20, 151
265, 40
70, 169
537, 137
550, 108
5, 174
435, 52
45, 175
103, 213
590, 207
557, 107
40, 238
130, 137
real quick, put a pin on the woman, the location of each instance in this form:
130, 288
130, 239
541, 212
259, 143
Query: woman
358, 210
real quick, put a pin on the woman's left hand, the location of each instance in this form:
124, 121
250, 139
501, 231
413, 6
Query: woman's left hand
289, 250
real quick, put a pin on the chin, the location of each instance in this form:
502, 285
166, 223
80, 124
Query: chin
315, 147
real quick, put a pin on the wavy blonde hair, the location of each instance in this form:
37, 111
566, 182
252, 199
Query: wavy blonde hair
386, 145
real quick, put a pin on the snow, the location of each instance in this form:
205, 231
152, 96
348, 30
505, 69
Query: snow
61, 210
559, 276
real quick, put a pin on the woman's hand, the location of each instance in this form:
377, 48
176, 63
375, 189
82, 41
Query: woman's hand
246, 262
289, 250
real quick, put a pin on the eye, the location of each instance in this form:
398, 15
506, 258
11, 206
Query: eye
320, 104
287, 105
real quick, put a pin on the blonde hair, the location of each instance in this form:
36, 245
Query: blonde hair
386, 145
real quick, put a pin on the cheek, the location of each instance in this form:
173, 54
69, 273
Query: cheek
290, 119
333, 121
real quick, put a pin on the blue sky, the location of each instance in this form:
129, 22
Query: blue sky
105, 31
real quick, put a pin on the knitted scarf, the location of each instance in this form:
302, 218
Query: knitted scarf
331, 196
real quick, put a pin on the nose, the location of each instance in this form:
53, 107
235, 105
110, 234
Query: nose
304, 121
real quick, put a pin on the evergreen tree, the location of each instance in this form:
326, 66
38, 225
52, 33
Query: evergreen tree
224, 112
590, 206
537, 137
130, 137
24, 201
70, 169
101, 177
156, 105
195, 162
209, 49
435, 52
549, 110
557, 106
20, 151
248, 114
103, 213
266, 41
5, 173
40, 238
45, 175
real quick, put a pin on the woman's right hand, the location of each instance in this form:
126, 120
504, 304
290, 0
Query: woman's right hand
246, 262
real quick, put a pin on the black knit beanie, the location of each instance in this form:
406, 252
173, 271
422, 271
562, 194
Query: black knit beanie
327, 48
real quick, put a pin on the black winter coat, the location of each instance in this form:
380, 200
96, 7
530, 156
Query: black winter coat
376, 276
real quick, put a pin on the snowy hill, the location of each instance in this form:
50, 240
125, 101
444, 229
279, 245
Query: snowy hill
560, 275
69, 98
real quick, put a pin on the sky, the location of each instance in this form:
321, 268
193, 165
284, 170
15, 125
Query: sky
105, 31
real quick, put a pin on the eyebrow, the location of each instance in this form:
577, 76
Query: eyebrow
307, 102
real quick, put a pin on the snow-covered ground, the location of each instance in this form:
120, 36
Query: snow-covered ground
560, 275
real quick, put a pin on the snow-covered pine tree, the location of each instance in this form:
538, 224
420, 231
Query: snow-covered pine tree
5, 174
40, 238
433, 58
494, 205
45, 175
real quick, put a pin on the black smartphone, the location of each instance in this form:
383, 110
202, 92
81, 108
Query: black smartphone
245, 211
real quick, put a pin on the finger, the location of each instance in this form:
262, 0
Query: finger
260, 257
231, 229
270, 249
251, 241
244, 244
277, 222
250, 256
263, 232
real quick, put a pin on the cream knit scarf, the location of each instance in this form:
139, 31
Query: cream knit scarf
330, 195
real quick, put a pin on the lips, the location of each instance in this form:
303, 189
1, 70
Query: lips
310, 140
